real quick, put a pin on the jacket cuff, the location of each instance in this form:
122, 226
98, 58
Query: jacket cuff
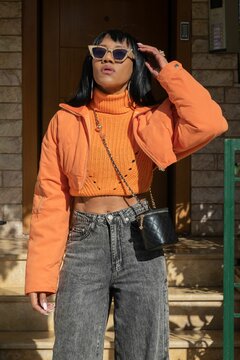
169, 70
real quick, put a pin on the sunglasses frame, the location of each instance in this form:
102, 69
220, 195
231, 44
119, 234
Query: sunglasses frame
129, 53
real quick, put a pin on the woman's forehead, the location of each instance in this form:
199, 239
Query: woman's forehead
109, 42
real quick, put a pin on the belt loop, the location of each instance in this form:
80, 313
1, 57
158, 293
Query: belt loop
125, 219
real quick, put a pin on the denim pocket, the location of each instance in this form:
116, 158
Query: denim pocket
81, 227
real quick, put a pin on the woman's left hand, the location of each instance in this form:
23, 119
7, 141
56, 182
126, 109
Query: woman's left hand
156, 58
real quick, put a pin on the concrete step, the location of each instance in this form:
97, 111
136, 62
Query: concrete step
184, 345
194, 262
190, 308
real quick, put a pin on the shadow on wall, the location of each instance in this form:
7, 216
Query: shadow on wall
22, 329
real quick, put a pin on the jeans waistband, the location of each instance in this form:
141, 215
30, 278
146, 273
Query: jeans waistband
128, 214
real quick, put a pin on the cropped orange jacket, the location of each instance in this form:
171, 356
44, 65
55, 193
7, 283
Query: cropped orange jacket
186, 121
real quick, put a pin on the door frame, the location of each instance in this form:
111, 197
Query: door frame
32, 100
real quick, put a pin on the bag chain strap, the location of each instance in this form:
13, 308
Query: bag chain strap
103, 138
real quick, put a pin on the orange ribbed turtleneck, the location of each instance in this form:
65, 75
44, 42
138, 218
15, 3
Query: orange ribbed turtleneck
115, 114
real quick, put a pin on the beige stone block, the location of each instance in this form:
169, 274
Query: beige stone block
12, 178
10, 60
200, 45
10, 77
10, 9
200, 10
10, 111
10, 94
12, 212
232, 95
208, 228
212, 195
10, 145
214, 61
236, 78
233, 129
204, 162
232, 112
217, 93
207, 178
10, 162
1, 211
11, 196
11, 229
10, 27
10, 127
10, 43
214, 77
203, 212
220, 162
200, 27
216, 146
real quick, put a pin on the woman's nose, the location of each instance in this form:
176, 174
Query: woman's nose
108, 56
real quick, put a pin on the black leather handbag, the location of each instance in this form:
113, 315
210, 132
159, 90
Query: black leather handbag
156, 225
157, 229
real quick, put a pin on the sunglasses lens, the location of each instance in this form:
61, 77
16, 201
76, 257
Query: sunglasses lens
119, 54
98, 52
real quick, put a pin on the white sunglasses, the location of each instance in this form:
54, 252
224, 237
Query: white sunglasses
119, 54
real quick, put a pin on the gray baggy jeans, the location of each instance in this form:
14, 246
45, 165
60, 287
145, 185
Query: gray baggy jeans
105, 258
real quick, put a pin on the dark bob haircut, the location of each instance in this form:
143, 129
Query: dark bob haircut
140, 89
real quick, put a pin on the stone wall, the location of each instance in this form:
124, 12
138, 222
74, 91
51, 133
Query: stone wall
10, 118
219, 74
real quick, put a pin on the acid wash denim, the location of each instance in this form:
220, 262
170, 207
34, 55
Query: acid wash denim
105, 259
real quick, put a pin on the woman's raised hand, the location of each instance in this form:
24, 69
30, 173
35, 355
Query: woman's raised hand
155, 58
39, 303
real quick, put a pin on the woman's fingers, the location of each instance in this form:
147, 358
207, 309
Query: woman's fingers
153, 71
156, 58
148, 48
39, 303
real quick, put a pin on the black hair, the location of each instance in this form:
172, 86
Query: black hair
140, 89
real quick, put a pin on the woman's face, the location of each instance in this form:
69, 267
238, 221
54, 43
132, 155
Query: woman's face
112, 77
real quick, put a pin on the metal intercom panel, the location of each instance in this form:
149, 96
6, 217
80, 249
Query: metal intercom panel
224, 25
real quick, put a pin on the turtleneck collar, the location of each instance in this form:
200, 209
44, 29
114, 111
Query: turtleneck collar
111, 104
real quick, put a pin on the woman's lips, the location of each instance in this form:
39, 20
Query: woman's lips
107, 70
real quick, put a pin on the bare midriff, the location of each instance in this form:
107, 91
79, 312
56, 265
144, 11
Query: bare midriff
104, 204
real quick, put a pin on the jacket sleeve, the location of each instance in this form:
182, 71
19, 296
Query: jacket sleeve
50, 218
197, 118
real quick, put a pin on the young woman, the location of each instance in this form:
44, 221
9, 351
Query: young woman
104, 256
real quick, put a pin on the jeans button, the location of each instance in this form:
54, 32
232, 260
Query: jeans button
127, 219
110, 217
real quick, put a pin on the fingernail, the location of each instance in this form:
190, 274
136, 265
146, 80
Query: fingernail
44, 305
139, 43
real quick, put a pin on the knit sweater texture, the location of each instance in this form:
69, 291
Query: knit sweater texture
115, 116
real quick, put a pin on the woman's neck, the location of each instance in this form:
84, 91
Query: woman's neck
111, 103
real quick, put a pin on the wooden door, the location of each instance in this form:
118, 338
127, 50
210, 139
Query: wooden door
70, 25
65, 28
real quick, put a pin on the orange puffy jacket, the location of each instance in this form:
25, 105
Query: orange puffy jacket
186, 121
